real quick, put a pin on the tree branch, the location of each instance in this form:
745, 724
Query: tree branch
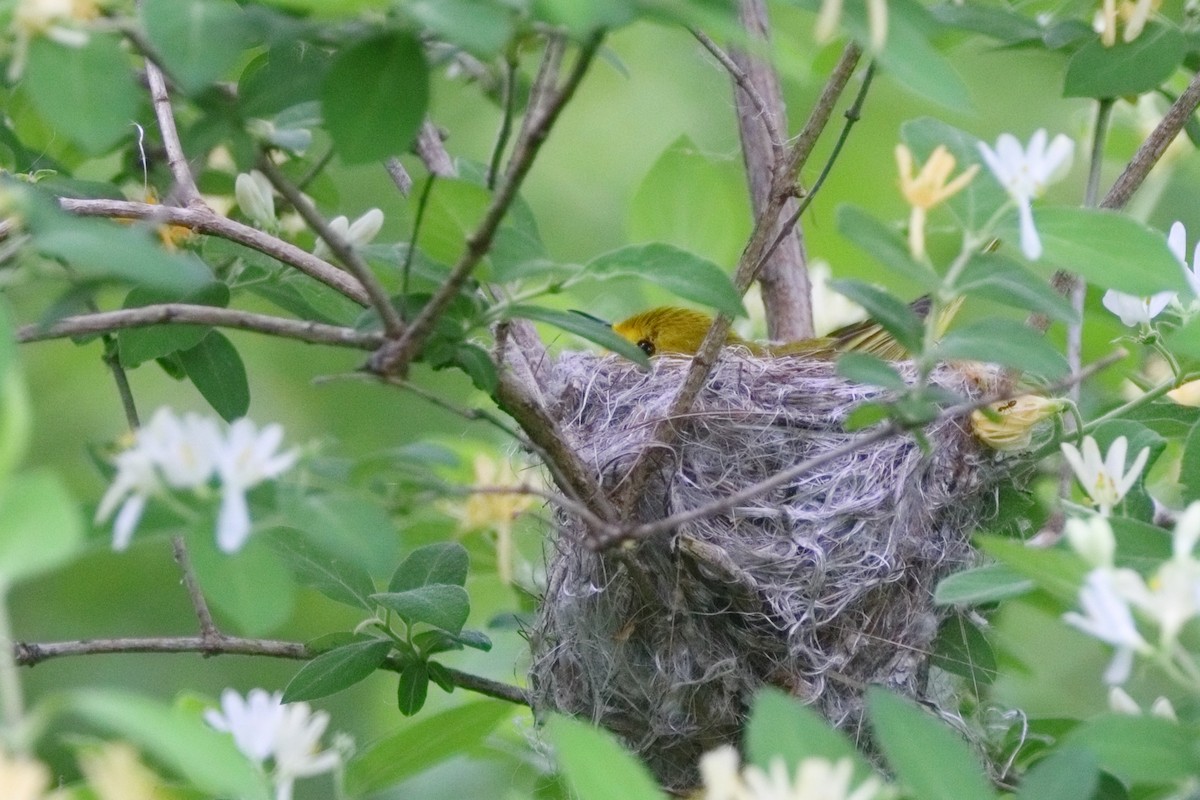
395, 356
208, 628
186, 314
206, 221
185, 184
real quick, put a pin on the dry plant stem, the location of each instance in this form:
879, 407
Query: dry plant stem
395, 356
186, 314
112, 358
208, 628
762, 111
432, 152
206, 221
378, 296
185, 185
31, 654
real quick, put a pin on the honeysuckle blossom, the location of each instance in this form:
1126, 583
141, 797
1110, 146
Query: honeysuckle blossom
1025, 173
1011, 423
256, 198
1120, 702
61, 21
1105, 479
1187, 394
928, 188
115, 772
1136, 311
22, 778
1133, 14
492, 509
1093, 539
1177, 241
816, 779
1107, 616
187, 453
831, 14
289, 735
356, 234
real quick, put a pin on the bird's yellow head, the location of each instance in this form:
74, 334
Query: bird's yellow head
668, 330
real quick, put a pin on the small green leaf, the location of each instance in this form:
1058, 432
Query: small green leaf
374, 97
138, 345
1189, 465
1005, 342
326, 572
336, 670
85, 93
865, 415
479, 27
441, 562
441, 676
412, 688
1068, 773
1001, 279
40, 526
288, 74
1125, 69
962, 649
884, 245
476, 639
416, 747
596, 766
1185, 340
1139, 749
350, 525
216, 369
198, 40
1003, 24
588, 328
929, 758
436, 641
979, 585
442, 606
477, 363
868, 369
1057, 571
781, 727
886, 309
682, 273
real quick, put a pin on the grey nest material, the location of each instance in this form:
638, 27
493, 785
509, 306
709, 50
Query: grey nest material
820, 587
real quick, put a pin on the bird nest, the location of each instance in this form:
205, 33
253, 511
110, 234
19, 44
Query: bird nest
821, 586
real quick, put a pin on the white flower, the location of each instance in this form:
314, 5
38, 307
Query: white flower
253, 722
1025, 174
22, 778
1134, 310
1104, 479
1108, 618
248, 458
816, 779
255, 197
356, 234
1177, 241
135, 482
1093, 539
297, 748
61, 21
1120, 702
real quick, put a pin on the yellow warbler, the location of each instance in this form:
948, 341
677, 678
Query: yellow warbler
679, 331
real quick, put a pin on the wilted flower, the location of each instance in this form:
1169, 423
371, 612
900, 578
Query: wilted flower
1104, 479
928, 188
356, 234
1010, 423
1025, 173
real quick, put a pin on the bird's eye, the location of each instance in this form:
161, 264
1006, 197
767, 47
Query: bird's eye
647, 346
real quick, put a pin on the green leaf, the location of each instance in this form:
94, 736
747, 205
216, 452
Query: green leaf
138, 345
1001, 279
1189, 465
693, 200
412, 688
868, 369
336, 670
979, 585
440, 675
596, 766
216, 369
1101, 245
374, 97
418, 746
889, 311
682, 273
442, 606
781, 727
586, 327
440, 562
198, 40
324, 571
477, 363
1126, 68
288, 74
40, 526
962, 649
929, 758
250, 586
1185, 341
349, 525
1057, 571
86, 93
1003, 24
1005, 342
1068, 773
480, 27
884, 245
1139, 749
206, 758
16, 423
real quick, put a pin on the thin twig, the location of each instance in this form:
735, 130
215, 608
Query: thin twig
395, 356
765, 115
112, 357
187, 314
419, 217
206, 221
208, 628
31, 654
185, 184
378, 296
509, 103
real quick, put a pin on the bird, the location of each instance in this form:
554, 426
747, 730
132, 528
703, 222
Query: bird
673, 330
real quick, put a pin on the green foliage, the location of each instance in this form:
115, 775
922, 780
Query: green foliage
596, 766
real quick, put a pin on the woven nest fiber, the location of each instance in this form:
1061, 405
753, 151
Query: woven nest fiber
820, 587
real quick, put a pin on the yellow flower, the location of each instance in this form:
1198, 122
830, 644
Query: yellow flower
927, 188
831, 14
114, 772
489, 507
1132, 14
22, 778
57, 20
1009, 424
1186, 395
